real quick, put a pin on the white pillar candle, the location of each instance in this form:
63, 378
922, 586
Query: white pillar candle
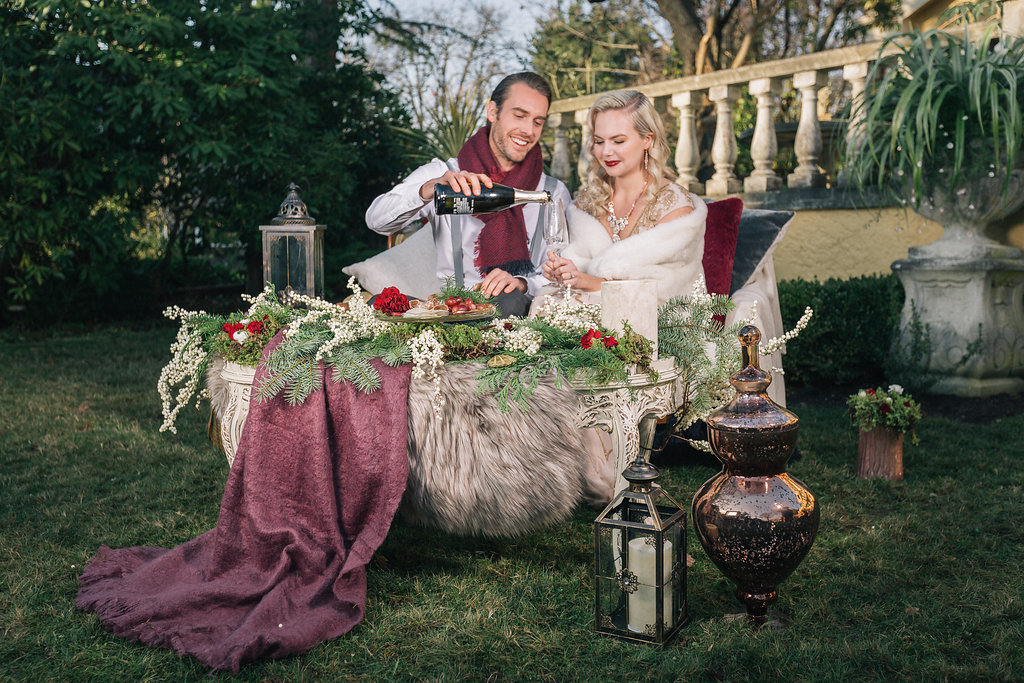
635, 301
640, 605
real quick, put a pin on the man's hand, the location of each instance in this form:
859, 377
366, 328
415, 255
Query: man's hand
465, 182
498, 282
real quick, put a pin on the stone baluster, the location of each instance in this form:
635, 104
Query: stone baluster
583, 163
808, 145
857, 76
688, 148
764, 146
560, 165
723, 149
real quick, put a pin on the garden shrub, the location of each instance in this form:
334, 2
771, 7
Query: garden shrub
847, 341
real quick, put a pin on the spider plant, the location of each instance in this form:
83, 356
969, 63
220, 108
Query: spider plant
939, 113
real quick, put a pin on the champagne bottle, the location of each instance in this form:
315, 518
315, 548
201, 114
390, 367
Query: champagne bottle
497, 198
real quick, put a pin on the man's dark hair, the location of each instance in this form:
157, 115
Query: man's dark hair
527, 78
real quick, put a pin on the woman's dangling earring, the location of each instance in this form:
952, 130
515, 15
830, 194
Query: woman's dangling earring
645, 159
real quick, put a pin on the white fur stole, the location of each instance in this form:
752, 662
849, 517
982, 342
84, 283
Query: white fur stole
669, 253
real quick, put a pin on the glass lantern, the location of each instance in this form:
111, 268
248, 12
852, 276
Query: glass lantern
640, 561
293, 249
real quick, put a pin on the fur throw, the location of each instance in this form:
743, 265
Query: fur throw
479, 471
218, 387
669, 253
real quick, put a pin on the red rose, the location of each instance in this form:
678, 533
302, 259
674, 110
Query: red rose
885, 409
254, 327
231, 328
508, 326
870, 392
596, 334
391, 301
587, 340
610, 341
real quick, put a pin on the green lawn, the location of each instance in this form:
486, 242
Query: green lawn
919, 580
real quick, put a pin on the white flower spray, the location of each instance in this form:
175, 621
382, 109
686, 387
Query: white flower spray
187, 357
427, 356
570, 315
511, 336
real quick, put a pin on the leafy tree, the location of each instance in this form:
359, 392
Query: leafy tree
444, 74
196, 112
716, 34
583, 49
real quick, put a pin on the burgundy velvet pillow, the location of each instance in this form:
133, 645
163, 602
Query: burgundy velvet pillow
723, 225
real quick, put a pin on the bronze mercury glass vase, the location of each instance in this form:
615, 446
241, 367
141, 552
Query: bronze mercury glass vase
755, 522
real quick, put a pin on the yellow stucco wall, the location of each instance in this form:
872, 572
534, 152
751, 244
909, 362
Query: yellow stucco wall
845, 243
849, 243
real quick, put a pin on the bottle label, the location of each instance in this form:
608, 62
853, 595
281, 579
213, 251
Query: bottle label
462, 205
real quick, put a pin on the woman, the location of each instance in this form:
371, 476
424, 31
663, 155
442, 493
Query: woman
630, 221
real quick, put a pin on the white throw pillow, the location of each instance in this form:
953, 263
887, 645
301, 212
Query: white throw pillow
411, 266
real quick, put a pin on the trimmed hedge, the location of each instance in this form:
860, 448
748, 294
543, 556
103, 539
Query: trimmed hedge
847, 341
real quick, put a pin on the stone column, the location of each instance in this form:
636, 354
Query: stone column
560, 164
857, 76
1013, 17
723, 149
583, 163
688, 147
764, 146
808, 143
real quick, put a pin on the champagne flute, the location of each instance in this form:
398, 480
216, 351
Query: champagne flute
556, 232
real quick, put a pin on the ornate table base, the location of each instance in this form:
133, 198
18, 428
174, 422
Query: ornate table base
628, 411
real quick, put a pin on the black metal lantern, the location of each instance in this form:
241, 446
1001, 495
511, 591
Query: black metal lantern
293, 248
640, 561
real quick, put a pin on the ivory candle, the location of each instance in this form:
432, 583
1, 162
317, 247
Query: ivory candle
640, 605
635, 301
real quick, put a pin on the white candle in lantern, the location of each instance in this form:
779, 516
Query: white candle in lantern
640, 605
635, 301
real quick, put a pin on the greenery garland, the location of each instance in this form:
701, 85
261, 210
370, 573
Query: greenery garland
565, 340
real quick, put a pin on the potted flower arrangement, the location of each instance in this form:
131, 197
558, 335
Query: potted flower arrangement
233, 343
883, 416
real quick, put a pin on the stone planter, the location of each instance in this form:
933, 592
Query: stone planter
230, 385
966, 292
880, 454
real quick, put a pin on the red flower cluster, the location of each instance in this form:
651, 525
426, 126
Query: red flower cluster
588, 339
391, 302
253, 327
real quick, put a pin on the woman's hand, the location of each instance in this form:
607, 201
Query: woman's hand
561, 270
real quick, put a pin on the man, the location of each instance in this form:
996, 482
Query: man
500, 253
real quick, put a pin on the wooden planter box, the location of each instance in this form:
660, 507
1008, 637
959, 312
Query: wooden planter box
880, 454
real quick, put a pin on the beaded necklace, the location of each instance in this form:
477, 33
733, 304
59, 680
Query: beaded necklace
620, 224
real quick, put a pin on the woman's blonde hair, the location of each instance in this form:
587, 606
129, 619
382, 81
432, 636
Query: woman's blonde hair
646, 122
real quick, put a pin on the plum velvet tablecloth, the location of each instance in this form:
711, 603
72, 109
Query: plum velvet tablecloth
309, 499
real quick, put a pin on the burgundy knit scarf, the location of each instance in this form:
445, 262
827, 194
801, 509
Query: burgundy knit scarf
502, 242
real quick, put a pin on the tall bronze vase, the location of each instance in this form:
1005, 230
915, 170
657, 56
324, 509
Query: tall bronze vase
756, 522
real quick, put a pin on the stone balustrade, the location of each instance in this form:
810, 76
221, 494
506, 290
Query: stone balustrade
806, 74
